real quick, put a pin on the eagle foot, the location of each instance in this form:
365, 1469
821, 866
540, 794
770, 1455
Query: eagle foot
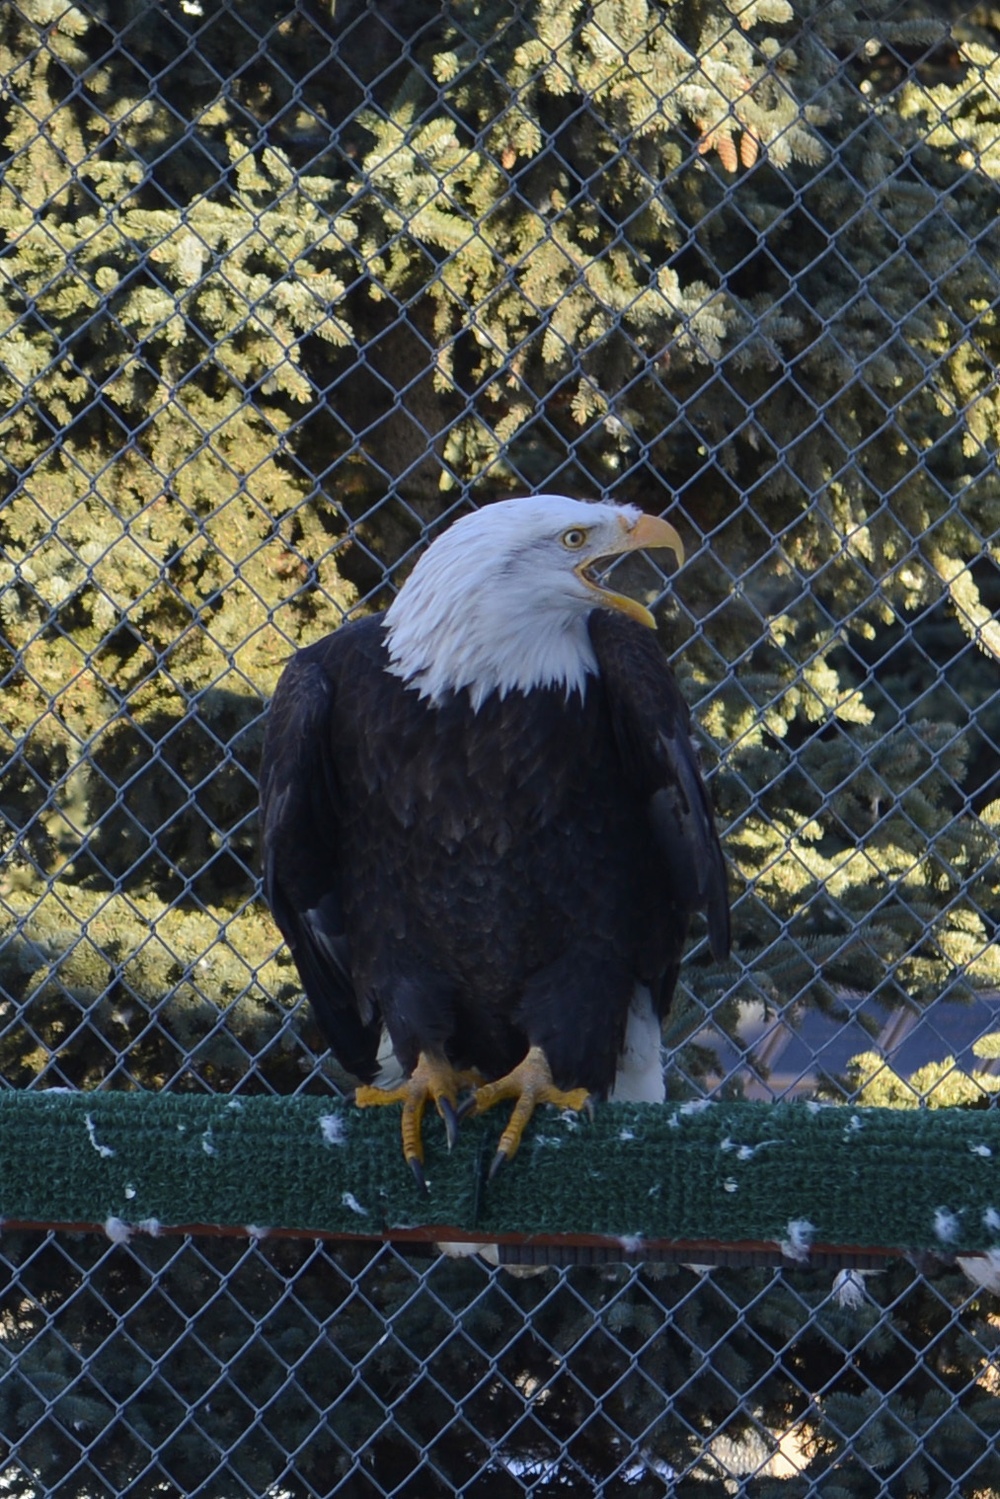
432, 1079
529, 1084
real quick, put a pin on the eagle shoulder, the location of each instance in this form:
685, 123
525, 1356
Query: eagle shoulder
652, 726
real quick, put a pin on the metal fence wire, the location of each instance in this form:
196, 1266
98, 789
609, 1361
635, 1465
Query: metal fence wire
284, 288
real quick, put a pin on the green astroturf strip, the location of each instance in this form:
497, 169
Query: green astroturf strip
788, 1173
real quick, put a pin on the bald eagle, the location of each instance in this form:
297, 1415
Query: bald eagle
484, 827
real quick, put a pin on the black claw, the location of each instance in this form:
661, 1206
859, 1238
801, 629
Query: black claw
465, 1108
418, 1171
498, 1163
451, 1119
588, 1108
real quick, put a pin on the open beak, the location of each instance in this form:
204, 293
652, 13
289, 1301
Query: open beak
647, 532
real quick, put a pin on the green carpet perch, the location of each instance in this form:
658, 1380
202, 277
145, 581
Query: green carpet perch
799, 1176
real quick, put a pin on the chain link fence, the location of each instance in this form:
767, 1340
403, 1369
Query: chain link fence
285, 287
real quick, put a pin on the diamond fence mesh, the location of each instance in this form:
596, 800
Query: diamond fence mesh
286, 287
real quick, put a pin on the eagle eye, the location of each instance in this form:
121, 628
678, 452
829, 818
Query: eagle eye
574, 538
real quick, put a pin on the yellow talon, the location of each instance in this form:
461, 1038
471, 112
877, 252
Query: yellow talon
529, 1084
433, 1078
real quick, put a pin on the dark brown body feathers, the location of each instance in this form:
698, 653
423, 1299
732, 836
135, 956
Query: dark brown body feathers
482, 882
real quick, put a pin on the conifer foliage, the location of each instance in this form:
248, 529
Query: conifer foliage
283, 288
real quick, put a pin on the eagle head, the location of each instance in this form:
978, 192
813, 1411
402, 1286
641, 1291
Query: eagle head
499, 602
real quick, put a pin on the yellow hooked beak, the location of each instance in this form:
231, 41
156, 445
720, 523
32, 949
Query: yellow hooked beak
648, 531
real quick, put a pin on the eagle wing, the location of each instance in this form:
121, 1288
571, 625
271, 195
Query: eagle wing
652, 727
300, 817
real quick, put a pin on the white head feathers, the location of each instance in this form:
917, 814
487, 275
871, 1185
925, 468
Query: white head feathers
499, 602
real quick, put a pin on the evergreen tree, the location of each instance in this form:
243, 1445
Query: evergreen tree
282, 289
664, 251
220, 1368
